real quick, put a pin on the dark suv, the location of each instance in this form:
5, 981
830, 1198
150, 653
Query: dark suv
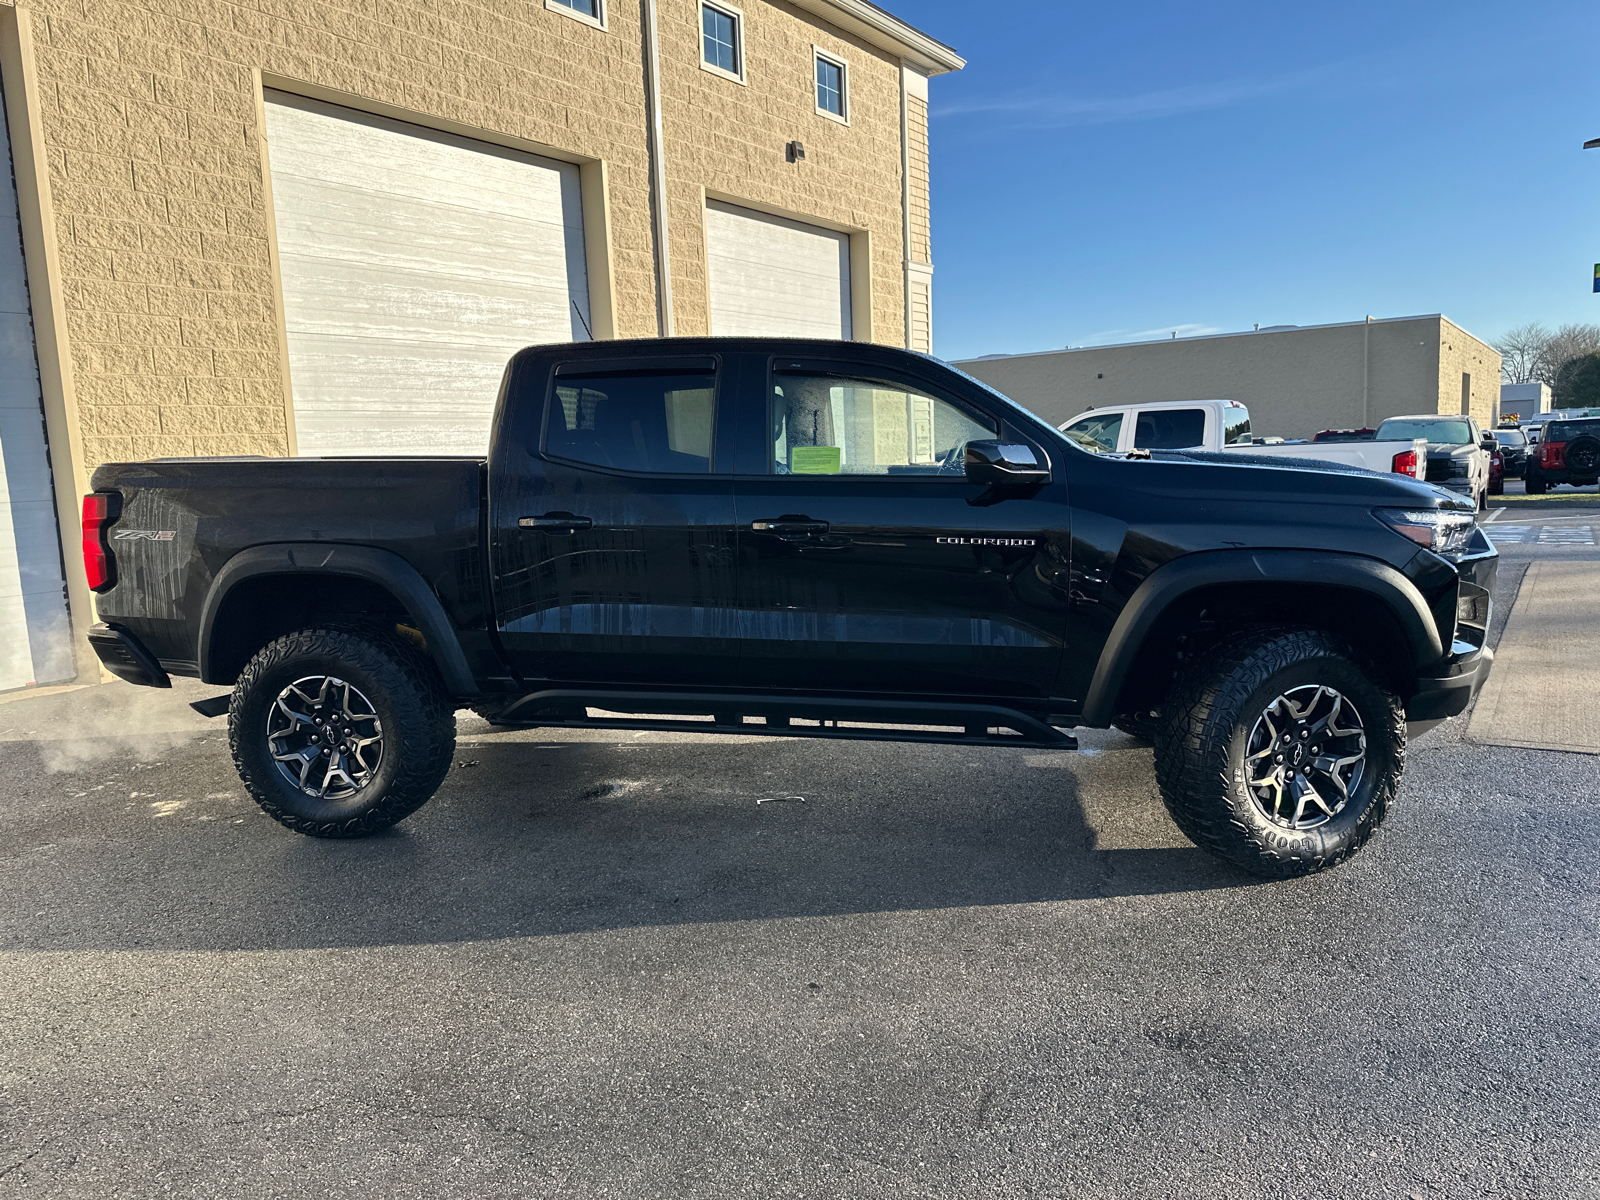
1569, 452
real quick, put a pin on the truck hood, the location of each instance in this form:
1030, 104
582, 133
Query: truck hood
1376, 487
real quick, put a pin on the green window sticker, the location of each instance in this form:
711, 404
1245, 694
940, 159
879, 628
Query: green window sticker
814, 460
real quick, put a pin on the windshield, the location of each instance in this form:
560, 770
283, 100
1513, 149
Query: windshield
1097, 433
1510, 437
1403, 429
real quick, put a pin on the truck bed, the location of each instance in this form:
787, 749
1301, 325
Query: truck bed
182, 519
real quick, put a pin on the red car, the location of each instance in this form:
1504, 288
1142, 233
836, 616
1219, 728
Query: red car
1497, 472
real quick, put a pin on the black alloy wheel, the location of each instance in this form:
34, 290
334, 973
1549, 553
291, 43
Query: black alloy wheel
340, 731
1280, 751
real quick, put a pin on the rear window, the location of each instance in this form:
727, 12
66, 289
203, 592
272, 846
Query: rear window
1171, 429
1235, 425
1565, 431
1444, 432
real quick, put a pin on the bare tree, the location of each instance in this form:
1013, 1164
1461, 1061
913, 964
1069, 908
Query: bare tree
1520, 351
1567, 343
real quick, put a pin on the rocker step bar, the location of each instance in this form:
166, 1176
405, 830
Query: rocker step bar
850, 720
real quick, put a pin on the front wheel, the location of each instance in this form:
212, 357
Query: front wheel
339, 732
1279, 752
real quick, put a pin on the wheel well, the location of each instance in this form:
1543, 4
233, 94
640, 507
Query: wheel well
1198, 620
265, 607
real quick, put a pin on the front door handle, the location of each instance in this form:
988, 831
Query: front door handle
789, 526
555, 522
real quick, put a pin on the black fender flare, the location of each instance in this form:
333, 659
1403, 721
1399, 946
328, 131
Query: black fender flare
1173, 580
382, 567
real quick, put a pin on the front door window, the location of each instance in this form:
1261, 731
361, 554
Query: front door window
831, 425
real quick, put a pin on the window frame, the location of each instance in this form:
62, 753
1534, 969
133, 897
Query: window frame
737, 16
578, 369
598, 22
872, 373
818, 54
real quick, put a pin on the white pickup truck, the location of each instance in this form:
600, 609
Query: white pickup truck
1225, 425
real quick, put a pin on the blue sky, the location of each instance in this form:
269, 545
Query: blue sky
1109, 172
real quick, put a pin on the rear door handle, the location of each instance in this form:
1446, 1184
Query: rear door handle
789, 526
555, 522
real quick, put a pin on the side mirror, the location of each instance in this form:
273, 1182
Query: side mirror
1002, 464
1490, 442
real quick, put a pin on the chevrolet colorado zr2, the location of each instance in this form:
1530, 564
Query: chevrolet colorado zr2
802, 539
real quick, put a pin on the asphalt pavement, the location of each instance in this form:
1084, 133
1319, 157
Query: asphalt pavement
675, 965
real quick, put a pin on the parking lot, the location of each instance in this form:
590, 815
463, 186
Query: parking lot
674, 965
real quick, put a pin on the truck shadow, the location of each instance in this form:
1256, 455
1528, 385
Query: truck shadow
537, 838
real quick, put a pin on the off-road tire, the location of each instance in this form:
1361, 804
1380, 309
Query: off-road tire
417, 719
1143, 725
1534, 484
1207, 721
1583, 453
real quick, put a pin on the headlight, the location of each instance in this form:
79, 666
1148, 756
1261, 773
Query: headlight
1441, 530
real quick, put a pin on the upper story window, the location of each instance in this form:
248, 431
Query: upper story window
721, 40
833, 98
589, 11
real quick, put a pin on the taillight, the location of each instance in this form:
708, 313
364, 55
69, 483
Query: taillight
1553, 455
1405, 463
99, 510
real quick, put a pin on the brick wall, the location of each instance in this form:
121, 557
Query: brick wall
1462, 354
149, 112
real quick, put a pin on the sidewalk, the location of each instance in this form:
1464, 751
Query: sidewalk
1541, 691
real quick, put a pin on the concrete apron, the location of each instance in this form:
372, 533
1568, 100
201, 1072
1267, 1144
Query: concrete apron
1540, 694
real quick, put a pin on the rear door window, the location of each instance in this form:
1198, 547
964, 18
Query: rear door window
1170, 429
657, 422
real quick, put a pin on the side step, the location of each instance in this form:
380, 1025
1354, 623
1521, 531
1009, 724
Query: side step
851, 720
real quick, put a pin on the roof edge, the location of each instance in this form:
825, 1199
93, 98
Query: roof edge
1209, 337
887, 32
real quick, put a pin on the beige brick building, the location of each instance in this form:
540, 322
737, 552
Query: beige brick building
1295, 380
256, 226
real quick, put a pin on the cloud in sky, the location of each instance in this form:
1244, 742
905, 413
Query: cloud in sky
1108, 337
1053, 110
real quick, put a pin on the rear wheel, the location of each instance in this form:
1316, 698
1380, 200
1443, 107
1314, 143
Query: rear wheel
1533, 483
339, 732
1279, 753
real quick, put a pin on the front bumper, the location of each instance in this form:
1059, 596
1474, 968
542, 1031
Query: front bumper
1439, 697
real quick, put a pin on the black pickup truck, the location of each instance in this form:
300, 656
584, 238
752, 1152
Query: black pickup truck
804, 539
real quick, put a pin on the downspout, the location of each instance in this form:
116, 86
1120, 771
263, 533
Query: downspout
658, 172
905, 206
1366, 360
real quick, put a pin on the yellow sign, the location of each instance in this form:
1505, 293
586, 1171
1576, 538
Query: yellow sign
814, 460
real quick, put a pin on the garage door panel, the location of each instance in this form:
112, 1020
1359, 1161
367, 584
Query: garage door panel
35, 630
349, 225
392, 158
371, 301
413, 264
370, 398
774, 277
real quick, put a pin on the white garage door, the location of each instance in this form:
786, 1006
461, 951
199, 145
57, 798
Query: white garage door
414, 263
772, 277
35, 634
